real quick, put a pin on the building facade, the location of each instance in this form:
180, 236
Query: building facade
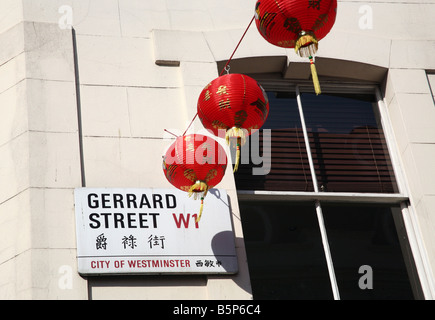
88, 88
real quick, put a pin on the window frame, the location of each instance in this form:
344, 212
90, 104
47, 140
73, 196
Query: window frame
423, 275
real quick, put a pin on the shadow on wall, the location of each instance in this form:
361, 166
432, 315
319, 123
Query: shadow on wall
227, 239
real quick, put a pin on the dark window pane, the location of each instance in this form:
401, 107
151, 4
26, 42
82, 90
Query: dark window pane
288, 161
365, 235
347, 144
284, 250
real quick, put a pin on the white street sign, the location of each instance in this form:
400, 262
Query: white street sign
149, 231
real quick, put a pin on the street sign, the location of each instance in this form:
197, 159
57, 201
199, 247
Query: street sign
149, 231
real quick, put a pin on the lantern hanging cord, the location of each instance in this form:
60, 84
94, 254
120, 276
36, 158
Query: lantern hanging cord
240, 41
201, 208
226, 67
316, 82
190, 123
170, 133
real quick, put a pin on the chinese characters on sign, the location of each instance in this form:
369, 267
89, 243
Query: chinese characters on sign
101, 242
156, 241
208, 263
147, 231
131, 242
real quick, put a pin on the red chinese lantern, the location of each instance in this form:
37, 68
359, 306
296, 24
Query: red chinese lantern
298, 24
236, 104
195, 163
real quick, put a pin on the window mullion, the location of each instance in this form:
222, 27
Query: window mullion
307, 141
319, 213
327, 251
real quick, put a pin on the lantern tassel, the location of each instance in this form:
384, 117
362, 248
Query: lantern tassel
200, 210
236, 166
315, 77
239, 134
306, 45
197, 188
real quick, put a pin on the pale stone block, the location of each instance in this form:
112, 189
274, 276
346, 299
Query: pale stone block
413, 54
41, 274
51, 106
104, 111
412, 175
8, 280
22, 266
15, 223
15, 167
195, 19
344, 45
121, 62
97, 17
229, 14
387, 19
387, 89
12, 42
125, 162
54, 160
191, 95
198, 73
405, 81
54, 275
130, 112
12, 72
13, 121
431, 80
408, 81
151, 288
398, 124
11, 13
49, 52
187, 5
222, 44
46, 11
424, 155
39, 218
418, 115
53, 218
426, 223
180, 46
138, 17
152, 110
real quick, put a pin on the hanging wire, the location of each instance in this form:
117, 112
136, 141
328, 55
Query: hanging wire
240, 41
170, 133
226, 68
190, 123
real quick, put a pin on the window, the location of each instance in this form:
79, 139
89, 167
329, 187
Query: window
347, 145
325, 220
